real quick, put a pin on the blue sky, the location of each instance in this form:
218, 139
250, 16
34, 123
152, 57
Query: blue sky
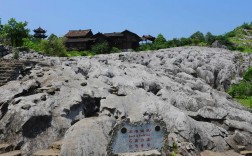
172, 18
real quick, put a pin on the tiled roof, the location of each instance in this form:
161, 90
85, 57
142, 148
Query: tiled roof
39, 30
114, 34
148, 37
77, 33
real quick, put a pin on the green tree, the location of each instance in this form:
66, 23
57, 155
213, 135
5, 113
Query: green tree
16, 31
197, 37
185, 41
209, 38
173, 43
225, 41
53, 46
159, 42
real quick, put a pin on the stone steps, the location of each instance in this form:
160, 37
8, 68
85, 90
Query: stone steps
53, 150
8, 69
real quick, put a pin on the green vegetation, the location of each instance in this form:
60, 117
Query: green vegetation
32, 43
103, 48
79, 53
239, 39
13, 32
247, 102
16, 34
243, 91
160, 42
53, 46
174, 149
15, 54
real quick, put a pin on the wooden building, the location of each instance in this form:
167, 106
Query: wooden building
99, 38
123, 40
79, 39
84, 39
148, 39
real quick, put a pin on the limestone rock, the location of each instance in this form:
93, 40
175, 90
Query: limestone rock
80, 99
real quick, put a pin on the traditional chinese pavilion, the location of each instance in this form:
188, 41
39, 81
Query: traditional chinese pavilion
39, 33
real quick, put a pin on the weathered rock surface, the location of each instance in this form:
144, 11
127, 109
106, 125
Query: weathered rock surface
82, 99
3, 51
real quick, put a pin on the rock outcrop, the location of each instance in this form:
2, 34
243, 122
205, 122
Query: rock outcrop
82, 99
3, 51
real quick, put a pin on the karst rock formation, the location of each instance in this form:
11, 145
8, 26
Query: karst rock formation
80, 100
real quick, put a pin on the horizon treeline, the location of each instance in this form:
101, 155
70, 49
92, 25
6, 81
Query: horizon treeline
16, 34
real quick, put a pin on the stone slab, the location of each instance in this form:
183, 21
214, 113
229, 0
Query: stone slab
138, 137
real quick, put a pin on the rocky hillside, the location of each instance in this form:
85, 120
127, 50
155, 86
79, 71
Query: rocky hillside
81, 100
241, 37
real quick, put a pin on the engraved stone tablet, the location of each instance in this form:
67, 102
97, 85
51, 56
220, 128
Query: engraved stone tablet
137, 137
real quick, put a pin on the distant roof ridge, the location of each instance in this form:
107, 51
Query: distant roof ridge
79, 29
75, 33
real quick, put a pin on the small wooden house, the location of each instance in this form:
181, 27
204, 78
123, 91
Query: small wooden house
123, 40
79, 39
99, 38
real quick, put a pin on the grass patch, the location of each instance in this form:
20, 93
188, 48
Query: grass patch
247, 102
79, 53
242, 92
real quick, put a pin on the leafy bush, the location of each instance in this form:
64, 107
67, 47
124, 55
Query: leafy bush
185, 41
115, 50
53, 46
202, 44
241, 90
246, 26
244, 88
145, 47
32, 44
15, 54
173, 43
159, 43
248, 75
231, 34
79, 53
101, 48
